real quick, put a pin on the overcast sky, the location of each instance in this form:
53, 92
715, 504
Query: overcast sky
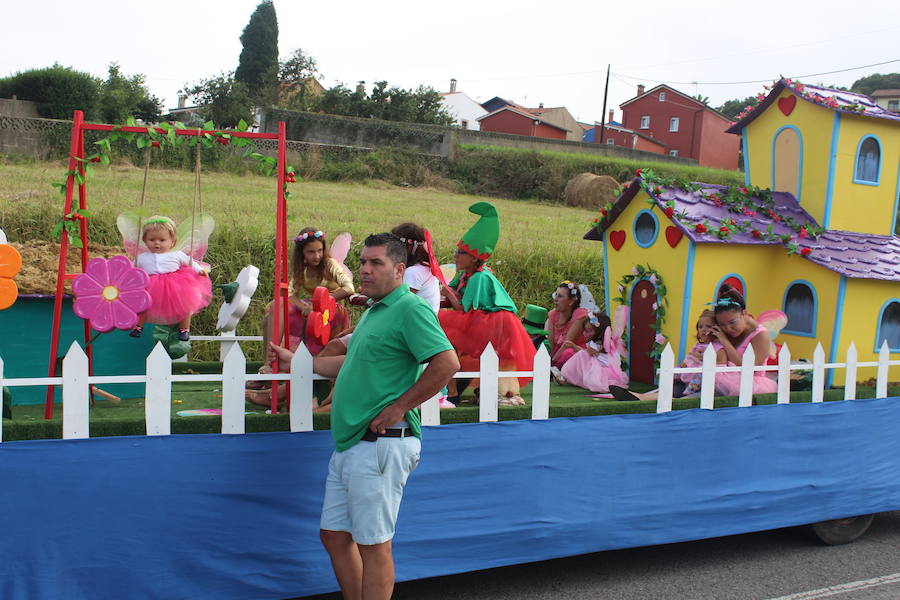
553, 53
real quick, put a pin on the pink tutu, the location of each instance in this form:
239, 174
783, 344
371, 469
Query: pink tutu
729, 384
177, 296
585, 371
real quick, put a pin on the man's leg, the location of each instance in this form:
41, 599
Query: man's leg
377, 571
346, 562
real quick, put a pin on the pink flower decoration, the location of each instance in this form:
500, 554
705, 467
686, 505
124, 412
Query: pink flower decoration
655, 306
111, 293
653, 280
660, 339
634, 271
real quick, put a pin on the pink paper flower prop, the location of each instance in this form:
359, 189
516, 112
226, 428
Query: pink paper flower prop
111, 293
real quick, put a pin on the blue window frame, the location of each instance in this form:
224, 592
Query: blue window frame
646, 228
801, 305
889, 326
735, 281
868, 161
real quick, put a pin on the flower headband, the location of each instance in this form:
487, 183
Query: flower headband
593, 320
411, 242
573, 289
726, 302
309, 234
155, 220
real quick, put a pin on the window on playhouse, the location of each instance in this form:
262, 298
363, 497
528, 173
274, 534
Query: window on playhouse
735, 281
868, 161
645, 122
800, 307
646, 228
889, 326
673, 123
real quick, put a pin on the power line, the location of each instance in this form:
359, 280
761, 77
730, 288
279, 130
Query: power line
621, 75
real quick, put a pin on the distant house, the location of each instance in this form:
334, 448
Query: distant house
189, 115
496, 103
616, 135
687, 127
519, 121
889, 99
561, 117
465, 110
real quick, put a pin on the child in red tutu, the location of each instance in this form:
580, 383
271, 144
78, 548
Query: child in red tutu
483, 311
179, 286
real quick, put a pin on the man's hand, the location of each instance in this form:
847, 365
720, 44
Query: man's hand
387, 417
283, 355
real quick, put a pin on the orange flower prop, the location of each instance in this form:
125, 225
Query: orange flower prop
318, 323
10, 263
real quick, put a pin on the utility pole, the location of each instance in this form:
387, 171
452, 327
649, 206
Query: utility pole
603, 115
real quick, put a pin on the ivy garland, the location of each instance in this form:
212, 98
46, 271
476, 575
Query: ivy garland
647, 272
743, 202
157, 137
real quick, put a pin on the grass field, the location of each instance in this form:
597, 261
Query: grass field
540, 243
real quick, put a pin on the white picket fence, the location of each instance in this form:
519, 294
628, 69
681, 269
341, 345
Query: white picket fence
667, 373
76, 382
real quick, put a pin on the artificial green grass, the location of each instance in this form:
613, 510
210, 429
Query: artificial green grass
127, 417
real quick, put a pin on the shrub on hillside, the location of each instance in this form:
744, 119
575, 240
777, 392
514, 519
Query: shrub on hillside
59, 91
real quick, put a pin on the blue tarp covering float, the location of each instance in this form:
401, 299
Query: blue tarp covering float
236, 516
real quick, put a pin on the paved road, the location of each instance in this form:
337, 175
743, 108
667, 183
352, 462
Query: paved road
784, 564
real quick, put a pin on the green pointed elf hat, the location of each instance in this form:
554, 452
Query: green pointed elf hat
480, 239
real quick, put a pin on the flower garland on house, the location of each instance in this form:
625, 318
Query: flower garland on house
743, 202
647, 272
158, 137
800, 89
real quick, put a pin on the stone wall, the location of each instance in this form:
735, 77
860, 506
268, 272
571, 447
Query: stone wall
12, 107
36, 138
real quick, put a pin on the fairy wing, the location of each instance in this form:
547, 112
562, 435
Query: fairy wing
620, 321
193, 235
587, 299
773, 320
340, 248
129, 225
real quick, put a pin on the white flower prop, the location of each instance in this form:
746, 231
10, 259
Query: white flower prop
236, 306
3, 237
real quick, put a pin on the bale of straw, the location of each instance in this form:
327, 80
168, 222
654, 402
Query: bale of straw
587, 190
40, 261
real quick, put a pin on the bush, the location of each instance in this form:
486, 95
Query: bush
59, 90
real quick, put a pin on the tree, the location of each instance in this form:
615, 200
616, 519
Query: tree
868, 84
122, 97
297, 77
222, 99
58, 90
732, 108
422, 105
258, 64
701, 98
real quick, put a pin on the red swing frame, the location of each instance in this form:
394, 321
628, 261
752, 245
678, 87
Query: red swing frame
280, 304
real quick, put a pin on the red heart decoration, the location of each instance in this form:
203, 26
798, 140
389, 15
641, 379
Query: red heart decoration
786, 105
617, 238
673, 235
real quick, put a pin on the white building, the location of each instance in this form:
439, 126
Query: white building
465, 110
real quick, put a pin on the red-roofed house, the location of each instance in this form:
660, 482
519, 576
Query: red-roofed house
518, 121
687, 127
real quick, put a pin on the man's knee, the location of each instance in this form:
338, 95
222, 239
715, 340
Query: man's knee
376, 551
335, 540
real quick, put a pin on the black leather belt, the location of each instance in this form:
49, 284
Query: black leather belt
392, 432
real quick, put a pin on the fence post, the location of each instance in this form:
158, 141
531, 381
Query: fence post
540, 384
75, 395
784, 375
748, 361
666, 382
225, 346
234, 377
818, 384
430, 410
881, 377
158, 392
850, 377
487, 397
301, 390
708, 379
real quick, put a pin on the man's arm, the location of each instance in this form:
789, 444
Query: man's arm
440, 368
326, 366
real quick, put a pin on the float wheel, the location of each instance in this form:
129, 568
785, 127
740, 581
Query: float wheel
842, 531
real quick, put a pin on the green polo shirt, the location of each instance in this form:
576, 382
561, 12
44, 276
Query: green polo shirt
391, 341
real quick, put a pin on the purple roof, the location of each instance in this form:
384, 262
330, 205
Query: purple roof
837, 100
856, 255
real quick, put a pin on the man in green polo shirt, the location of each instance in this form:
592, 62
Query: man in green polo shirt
375, 419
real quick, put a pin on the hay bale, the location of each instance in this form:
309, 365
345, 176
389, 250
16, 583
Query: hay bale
40, 261
587, 190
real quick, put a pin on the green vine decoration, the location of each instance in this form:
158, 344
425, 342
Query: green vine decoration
639, 272
158, 137
743, 202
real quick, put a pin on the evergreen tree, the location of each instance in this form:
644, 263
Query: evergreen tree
258, 63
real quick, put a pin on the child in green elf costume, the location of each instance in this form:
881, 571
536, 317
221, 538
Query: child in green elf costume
483, 311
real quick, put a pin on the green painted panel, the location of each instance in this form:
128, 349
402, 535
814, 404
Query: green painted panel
25, 348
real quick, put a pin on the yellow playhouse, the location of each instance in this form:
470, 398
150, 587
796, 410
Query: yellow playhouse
821, 247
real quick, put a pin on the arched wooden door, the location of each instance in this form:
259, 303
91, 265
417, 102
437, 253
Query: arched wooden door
786, 165
642, 332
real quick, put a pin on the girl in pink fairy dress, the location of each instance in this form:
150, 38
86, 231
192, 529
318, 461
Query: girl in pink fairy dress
179, 285
598, 364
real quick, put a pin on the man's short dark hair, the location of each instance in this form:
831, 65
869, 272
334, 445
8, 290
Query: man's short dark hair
393, 247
